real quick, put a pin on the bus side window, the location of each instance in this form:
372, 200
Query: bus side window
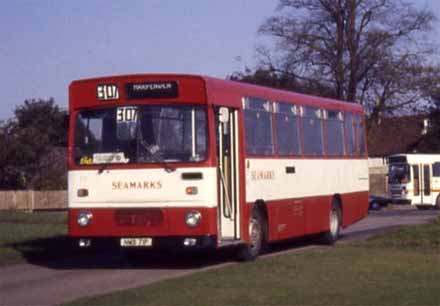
258, 124
360, 136
436, 169
312, 131
349, 134
287, 129
335, 135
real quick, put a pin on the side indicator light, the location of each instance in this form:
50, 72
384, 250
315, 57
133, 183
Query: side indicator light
192, 190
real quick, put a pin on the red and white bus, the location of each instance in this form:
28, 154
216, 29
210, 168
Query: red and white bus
186, 161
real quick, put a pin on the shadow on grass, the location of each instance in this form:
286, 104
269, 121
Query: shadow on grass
45, 250
59, 252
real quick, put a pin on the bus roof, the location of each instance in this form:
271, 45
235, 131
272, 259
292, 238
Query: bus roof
222, 91
197, 89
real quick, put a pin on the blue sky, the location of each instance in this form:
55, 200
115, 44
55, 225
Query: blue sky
47, 44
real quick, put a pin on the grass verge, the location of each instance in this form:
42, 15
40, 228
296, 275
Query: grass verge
32, 237
399, 268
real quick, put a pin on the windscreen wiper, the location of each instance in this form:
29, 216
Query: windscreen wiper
103, 167
153, 151
160, 160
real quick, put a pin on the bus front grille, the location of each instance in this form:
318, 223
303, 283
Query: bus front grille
139, 217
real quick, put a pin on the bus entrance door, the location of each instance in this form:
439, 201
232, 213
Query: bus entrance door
228, 173
421, 193
426, 197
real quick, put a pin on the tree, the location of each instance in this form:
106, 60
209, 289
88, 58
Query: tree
9, 175
430, 143
29, 157
271, 78
369, 51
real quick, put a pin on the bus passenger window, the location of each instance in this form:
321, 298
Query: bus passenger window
349, 134
312, 131
258, 124
436, 169
360, 136
287, 130
335, 135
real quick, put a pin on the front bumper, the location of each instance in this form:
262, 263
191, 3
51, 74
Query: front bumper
401, 201
158, 243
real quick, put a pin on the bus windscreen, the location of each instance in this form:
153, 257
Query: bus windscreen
140, 134
399, 174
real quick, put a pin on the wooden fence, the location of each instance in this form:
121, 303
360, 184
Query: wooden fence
33, 200
379, 181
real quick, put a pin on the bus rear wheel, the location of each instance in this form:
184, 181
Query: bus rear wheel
254, 247
335, 223
437, 203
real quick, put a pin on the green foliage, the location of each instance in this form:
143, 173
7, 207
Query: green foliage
43, 118
31, 154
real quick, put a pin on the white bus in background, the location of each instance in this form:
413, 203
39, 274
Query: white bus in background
415, 179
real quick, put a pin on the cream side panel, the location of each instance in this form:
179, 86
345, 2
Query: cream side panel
435, 188
422, 158
267, 178
142, 188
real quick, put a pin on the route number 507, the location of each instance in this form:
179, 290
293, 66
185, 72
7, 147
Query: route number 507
126, 114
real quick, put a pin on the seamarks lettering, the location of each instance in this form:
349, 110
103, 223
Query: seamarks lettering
144, 185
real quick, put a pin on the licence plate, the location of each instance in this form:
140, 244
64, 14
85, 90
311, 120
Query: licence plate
136, 242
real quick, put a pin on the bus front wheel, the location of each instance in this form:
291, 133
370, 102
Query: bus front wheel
254, 247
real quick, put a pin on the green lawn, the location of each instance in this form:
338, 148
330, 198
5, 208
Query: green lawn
32, 237
399, 268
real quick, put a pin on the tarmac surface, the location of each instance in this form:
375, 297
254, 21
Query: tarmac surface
61, 281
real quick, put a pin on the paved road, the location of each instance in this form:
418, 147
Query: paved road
58, 282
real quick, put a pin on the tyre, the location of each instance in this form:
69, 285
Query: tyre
257, 239
375, 205
335, 223
437, 203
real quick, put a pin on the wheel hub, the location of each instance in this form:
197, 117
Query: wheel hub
254, 233
334, 223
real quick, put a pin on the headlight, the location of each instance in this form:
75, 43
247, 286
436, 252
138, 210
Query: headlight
84, 218
193, 218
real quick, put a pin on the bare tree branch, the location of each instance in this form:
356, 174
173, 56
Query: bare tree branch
368, 51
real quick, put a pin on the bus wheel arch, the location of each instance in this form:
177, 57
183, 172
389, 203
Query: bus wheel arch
258, 230
437, 202
261, 206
